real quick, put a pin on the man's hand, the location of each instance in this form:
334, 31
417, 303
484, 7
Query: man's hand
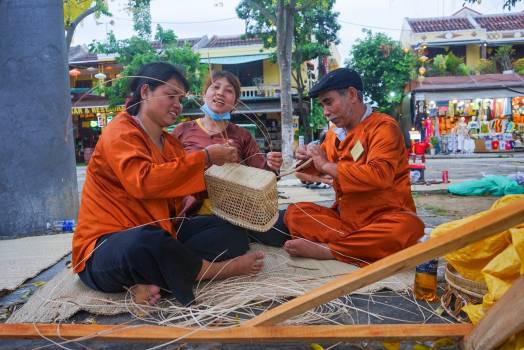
321, 162
301, 153
274, 160
319, 156
221, 154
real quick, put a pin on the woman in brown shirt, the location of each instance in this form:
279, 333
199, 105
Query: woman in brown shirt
221, 95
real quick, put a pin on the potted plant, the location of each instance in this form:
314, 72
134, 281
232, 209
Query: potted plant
435, 145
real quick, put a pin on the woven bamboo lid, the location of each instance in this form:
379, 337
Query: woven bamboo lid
464, 285
250, 177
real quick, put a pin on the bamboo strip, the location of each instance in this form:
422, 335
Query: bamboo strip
148, 333
503, 320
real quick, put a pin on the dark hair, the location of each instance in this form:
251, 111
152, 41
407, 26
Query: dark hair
230, 77
154, 75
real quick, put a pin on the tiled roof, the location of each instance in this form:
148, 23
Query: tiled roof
157, 45
468, 81
187, 41
80, 54
236, 40
501, 22
441, 24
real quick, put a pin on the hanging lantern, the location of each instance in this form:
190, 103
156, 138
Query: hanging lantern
109, 68
100, 76
91, 69
75, 72
423, 58
422, 70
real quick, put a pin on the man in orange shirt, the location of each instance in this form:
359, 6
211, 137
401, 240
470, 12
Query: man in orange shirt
374, 213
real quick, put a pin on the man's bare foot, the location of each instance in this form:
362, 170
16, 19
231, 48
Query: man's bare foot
246, 264
303, 248
147, 294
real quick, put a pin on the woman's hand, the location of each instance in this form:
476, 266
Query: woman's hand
220, 154
274, 160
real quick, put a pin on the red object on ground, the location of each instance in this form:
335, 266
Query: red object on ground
494, 145
445, 176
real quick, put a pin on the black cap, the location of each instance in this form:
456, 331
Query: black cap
340, 78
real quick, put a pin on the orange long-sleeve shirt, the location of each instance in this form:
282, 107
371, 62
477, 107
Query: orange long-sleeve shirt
130, 182
378, 181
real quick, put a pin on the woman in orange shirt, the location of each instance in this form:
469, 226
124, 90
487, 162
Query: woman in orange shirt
126, 237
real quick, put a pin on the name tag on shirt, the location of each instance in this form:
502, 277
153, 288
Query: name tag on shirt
357, 151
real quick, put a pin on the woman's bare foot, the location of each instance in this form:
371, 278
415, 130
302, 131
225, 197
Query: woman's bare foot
304, 248
246, 264
147, 294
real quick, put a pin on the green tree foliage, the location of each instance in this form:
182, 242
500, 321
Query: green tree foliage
164, 37
518, 66
134, 52
385, 69
75, 11
503, 56
453, 62
140, 9
487, 67
449, 64
274, 21
438, 67
314, 27
509, 4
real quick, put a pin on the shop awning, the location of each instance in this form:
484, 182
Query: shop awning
234, 59
467, 94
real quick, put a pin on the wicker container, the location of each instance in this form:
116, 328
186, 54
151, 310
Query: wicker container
244, 196
471, 288
459, 292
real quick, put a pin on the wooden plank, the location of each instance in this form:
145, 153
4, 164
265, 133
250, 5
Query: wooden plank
503, 320
149, 333
496, 221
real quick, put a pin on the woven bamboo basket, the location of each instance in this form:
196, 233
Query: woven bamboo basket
459, 292
471, 288
244, 196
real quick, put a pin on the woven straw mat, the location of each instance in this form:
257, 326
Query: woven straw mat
65, 294
23, 258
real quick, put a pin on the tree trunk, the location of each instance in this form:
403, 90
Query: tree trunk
38, 176
301, 108
285, 27
71, 30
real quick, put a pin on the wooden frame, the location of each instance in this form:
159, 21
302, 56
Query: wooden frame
263, 327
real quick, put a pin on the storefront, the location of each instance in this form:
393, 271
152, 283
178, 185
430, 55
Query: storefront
466, 118
88, 124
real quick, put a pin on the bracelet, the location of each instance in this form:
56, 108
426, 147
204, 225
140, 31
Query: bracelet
208, 157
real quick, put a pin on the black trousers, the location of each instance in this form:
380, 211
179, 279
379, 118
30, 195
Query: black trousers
150, 255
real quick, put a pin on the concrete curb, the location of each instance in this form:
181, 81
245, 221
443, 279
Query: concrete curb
476, 155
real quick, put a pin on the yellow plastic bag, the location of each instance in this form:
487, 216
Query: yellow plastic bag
496, 261
470, 260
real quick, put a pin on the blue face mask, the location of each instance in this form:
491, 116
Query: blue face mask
215, 116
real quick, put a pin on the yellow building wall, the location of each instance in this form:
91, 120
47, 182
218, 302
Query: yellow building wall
472, 56
271, 73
